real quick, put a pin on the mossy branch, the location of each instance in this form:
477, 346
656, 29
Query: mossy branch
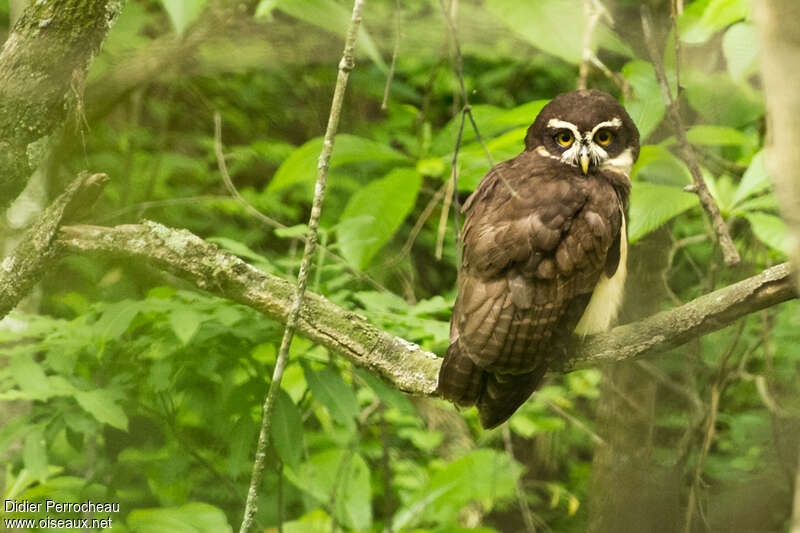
401, 363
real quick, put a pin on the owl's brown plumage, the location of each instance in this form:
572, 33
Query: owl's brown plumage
544, 232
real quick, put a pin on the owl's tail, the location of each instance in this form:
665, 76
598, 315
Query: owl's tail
504, 393
460, 380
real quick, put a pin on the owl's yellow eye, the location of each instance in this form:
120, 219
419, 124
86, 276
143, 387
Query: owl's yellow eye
603, 137
564, 138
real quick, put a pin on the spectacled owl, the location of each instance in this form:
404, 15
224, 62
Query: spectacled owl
544, 251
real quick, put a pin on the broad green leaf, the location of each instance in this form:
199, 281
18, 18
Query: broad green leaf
34, 454
190, 518
353, 498
345, 472
287, 430
102, 405
375, 212
719, 100
652, 205
317, 521
646, 105
28, 374
390, 396
770, 230
184, 323
183, 12
766, 202
555, 26
301, 165
334, 17
703, 19
754, 180
741, 46
714, 136
115, 319
331, 391
483, 475
485, 116
658, 165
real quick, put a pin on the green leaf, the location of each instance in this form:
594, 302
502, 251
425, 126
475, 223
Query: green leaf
483, 475
716, 136
116, 319
353, 499
770, 230
646, 105
652, 205
719, 100
656, 164
390, 396
375, 212
536, 22
301, 165
333, 17
741, 47
102, 405
190, 518
529, 424
34, 454
701, 20
183, 12
185, 322
754, 180
331, 391
345, 472
287, 430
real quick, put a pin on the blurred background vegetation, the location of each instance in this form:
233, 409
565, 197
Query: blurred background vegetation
120, 383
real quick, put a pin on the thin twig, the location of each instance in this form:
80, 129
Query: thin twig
576, 422
729, 253
395, 51
448, 198
345, 66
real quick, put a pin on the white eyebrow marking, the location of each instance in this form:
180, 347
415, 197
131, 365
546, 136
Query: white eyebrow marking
556, 123
542, 151
613, 123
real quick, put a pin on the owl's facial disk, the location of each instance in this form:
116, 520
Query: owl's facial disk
587, 148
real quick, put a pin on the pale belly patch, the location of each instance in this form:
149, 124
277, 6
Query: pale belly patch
606, 299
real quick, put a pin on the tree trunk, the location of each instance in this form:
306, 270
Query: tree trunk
43, 66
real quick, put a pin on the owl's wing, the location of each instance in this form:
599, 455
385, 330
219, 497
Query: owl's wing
534, 249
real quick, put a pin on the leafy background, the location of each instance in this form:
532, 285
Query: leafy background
119, 383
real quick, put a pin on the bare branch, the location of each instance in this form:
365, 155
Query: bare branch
729, 253
403, 364
21, 270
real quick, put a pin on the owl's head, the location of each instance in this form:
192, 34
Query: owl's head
586, 129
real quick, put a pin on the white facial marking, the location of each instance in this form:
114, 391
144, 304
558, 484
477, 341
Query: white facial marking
563, 124
542, 151
622, 164
613, 123
607, 295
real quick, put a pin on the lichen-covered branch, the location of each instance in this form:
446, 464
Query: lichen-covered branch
401, 363
729, 253
21, 270
43, 66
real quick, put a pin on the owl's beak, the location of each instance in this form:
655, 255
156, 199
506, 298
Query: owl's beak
584, 160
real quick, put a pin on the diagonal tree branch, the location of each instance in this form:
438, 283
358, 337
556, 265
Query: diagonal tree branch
401, 363
24, 267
